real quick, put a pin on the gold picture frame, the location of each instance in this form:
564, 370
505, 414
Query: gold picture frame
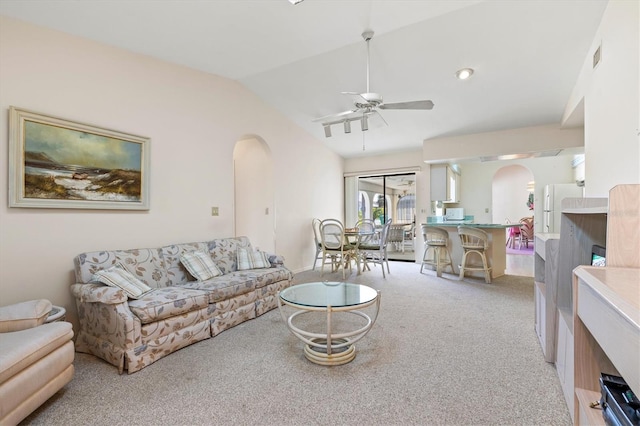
57, 163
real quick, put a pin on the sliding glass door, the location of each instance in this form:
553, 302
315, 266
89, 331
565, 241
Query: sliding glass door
392, 198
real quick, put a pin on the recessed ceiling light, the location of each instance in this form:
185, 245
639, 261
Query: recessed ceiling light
464, 73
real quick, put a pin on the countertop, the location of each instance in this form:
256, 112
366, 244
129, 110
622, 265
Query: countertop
473, 225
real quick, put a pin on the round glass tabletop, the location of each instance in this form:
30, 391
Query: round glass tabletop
328, 293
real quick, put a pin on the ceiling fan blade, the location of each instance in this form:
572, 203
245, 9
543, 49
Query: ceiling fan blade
377, 117
356, 97
408, 105
334, 117
374, 119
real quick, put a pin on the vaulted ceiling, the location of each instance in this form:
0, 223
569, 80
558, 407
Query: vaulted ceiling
299, 58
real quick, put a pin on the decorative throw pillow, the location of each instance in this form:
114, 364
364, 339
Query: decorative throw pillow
116, 276
200, 265
250, 259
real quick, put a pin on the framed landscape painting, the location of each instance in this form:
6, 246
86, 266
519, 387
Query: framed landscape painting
57, 163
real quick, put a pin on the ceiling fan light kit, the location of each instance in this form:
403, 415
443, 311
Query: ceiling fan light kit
367, 104
464, 73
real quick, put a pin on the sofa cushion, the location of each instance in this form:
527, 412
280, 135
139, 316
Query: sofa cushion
248, 258
225, 286
120, 278
146, 264
200, 265
264, 277
167, 302
223, 252
176, 272
87, 264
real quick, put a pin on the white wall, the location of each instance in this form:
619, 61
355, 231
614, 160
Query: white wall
512, 141
611, 94
509, 194
193, 119
253, 193
477, 178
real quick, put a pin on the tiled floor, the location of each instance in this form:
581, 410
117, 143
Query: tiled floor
520, 264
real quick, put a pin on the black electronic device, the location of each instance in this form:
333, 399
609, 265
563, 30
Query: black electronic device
620, 405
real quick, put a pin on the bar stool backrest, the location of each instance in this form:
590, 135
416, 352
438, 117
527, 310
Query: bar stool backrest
434, 236
473, 238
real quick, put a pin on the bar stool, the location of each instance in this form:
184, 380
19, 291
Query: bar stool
435, 240
476, 241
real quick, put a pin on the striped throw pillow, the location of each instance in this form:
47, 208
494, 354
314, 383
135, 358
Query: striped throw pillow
250, 259
118, 277
200, 265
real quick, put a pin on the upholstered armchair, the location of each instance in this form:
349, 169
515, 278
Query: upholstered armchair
36, 359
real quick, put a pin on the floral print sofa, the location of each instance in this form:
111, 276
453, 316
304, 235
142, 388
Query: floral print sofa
180, 310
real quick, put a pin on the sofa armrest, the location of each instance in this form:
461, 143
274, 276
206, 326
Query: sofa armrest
93, 293
107, 326
276, 260
22, 316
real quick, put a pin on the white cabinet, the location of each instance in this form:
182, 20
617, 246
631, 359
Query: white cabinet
445, 184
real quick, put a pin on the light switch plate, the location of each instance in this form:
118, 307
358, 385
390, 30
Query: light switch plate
214, 211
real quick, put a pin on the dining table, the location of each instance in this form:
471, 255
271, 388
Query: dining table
354, 237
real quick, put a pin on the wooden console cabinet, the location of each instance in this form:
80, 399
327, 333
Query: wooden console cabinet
606, 310
606, 334
583, 224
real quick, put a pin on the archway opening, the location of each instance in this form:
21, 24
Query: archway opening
512, 190
254, 205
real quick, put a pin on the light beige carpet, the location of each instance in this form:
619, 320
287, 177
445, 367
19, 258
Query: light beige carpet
442, 352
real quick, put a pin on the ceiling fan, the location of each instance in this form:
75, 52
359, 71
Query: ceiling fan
367, 104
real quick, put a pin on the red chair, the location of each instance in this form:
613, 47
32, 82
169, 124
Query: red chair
513, 234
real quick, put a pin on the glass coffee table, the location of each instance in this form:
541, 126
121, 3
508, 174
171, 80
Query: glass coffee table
329, 348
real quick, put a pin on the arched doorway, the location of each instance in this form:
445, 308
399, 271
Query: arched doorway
254, 206
510, 190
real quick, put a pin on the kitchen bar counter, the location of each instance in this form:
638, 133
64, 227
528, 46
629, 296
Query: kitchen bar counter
473, 225
497, 252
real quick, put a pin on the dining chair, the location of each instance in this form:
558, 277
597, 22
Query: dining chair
317, 239
335, 247
396, 236
474, 241
526, 231
513, 234
435, 241
376, 253
408, 237
366, 226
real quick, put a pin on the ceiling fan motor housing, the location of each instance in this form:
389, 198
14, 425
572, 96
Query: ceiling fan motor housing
371, 100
